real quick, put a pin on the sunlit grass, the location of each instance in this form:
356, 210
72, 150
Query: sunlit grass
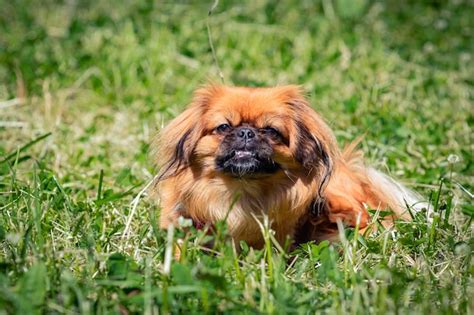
85, 85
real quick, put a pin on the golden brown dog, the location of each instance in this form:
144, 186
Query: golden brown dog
239, 153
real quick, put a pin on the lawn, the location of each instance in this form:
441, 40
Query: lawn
85, 85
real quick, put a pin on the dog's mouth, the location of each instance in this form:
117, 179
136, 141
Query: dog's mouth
246, 164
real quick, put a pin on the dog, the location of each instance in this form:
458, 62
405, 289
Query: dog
241, 153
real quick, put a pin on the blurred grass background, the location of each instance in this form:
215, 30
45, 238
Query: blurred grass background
94, 80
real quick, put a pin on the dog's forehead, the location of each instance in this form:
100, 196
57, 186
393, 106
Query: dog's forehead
249, 104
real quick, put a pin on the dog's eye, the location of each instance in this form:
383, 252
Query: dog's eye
223, 128
271, 131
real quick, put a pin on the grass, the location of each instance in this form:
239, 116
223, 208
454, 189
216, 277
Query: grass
84, 85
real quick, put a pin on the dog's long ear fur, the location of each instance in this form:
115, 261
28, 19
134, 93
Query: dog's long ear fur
312, 142
174, 146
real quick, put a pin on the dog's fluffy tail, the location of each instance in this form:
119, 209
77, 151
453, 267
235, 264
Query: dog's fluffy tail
398, 197
389, 192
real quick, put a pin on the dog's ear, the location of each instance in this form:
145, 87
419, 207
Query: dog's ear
312, 142
175, 144
308, 150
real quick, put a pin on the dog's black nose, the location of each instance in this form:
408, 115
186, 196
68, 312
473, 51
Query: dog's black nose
245, 133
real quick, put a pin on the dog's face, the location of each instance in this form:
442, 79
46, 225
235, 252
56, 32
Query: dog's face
246, 137
247, 133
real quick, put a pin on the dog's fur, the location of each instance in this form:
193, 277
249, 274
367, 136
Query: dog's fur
312, 185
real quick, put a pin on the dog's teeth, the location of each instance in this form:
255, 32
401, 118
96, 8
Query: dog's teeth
241, 154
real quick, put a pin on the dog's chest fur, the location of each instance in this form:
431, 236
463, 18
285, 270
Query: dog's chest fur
244, 208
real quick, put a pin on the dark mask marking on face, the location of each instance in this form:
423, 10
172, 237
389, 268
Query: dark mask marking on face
245, 153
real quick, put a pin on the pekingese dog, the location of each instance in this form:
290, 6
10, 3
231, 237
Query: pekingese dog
239, 153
